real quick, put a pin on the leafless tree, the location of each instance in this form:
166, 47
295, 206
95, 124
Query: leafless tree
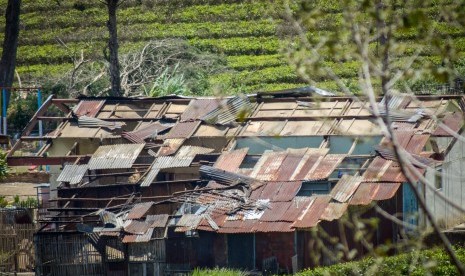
383, 70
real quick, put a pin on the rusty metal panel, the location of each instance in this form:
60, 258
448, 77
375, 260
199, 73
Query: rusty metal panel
139, 238
383, 191
120, 156
72, 173
188, 222
376, 169
192, 151
131, 137
231, 161
267, 168
270, 190
136, 227
151, 130
403, 137
88, 108
287, 191
163, 162
392, 174
297, 207
417, 143
363, 194
288, 166
276, 211
345, 187
170, 146
454, 121
402, 126
229, 111
139, 210
269, 227
305, 165
200, 107
182, 130
312, 214
334, 210
157, 221
150, 177
322, 169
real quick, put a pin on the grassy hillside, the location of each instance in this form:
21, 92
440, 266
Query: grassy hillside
245, 32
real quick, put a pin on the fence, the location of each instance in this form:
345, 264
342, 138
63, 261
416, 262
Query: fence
16, 240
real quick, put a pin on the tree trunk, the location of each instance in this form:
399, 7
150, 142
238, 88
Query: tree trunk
113, 48
10, 44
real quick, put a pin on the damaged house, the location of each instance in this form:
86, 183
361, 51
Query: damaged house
153, 186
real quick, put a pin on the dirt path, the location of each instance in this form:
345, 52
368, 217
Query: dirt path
22, 189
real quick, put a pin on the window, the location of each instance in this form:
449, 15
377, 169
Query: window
310, 188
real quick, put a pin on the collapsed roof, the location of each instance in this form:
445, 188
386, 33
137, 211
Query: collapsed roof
263, 164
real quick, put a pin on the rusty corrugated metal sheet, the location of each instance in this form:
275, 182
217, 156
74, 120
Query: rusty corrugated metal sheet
268, 169
157, 221
228, 111
136, 227
454, 121
192, 151
139, 210
120, 156
376, 169
402, 126
383, 191
345, 187
288, 166
188, 222
182, 130
139, 238
312, 214
334, 210
276, 211
200, 107
363, 194
72, 173
287, 191
170, 146
88, 108
148, 131
325, 167
417, 143
163, 162
150, 177
231, 160
305, 165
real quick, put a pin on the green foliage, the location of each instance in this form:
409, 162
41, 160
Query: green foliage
169, 82
433, 261
218, 272
3, 165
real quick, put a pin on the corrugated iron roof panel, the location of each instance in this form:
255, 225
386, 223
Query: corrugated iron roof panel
417, 143
269, 169
139, 210
88, 108
120, 156
151, 130
182, 130
188, 222
270, 227
345, 187
287, 191
276, 211
91, 122
192, 151
72, 173
454, 121
383, 191
163, 162
288, 166
139, 238
363, 194
200, 107
297, 207
157, 221
231, 160
229, 111
170, 146
137, 227
324, 168
150, 177
334, 210
376, 169
270, 190
305, 165
312, 214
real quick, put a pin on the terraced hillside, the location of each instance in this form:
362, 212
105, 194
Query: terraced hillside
244, 31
